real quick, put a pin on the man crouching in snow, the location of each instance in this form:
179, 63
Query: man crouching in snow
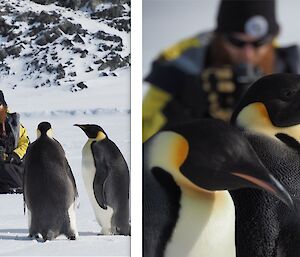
13, 145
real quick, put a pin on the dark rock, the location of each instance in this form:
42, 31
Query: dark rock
5, 69
61, 72
72, 74
69, 28
26, 16
118, 48
46, 18
3, 54
5, 28
104, 47
111, 61
14, 50
115, 11
81, 85
103, 74
89, 69
67, 42
107, 37
35, 30
48, 36
13, 35
92, 4
114, 61
44, 2
120, 24
84, 53
98, 61
78, 39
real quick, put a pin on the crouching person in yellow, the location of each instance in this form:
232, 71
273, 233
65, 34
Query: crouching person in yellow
13, 145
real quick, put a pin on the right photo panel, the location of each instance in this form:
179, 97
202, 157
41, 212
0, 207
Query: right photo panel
221, 126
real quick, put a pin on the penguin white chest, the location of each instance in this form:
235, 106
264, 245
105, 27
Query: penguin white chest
88, 173
205, 227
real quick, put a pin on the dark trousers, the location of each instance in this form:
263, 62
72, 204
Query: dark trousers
11, 178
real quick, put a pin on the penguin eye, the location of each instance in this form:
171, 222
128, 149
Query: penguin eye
287, 94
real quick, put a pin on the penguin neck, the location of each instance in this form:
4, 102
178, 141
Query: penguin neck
205, 226
255, 117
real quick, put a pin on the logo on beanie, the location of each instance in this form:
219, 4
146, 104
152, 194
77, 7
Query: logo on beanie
256, 26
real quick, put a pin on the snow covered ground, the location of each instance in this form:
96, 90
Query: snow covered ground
107, 105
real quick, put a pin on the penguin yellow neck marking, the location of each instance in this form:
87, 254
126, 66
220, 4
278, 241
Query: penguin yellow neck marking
255, 117
49, 133
100, 136
168, 151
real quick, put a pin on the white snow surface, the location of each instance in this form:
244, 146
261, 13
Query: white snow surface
106, 102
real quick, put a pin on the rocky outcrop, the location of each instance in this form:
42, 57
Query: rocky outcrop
52, 48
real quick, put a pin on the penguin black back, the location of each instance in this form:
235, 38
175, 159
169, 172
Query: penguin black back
49, 187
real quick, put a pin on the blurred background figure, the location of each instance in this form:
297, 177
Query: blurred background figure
13, 145
204, 76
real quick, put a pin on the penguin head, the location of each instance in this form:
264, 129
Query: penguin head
271, 104
210, 155
44, 129
93, 131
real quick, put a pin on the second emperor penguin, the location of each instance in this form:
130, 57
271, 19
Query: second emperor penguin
106, 178
269, 116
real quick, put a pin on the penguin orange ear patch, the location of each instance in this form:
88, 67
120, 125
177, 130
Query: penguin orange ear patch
182, 148
262, 110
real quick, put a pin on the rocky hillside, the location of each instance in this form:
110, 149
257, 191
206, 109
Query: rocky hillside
47, 43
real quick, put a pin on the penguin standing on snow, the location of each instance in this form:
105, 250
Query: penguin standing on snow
188, 168
49, 188
269, 115
106, 178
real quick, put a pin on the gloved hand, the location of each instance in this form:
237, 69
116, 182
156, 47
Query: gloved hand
13, 158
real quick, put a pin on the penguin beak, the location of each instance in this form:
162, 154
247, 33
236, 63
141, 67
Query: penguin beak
266, 181
78, 125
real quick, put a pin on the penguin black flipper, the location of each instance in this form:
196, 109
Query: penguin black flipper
71, 176
288, 140
100, 176
159, 217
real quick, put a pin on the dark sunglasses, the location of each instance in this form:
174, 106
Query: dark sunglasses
241, 43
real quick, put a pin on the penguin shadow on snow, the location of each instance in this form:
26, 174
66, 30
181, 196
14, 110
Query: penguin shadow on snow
14, 234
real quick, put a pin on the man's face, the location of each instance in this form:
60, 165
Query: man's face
243, 48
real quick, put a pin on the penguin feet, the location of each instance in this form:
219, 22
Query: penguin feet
106, 231
34, 236
49, 236
122, 231
72, 237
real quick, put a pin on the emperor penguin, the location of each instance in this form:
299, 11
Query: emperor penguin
188, 168
269, 116
106, 178
49, 188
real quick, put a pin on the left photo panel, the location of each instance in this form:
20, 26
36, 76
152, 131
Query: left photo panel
65, 128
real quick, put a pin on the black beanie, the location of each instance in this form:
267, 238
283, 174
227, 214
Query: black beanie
253, 17
2, 100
